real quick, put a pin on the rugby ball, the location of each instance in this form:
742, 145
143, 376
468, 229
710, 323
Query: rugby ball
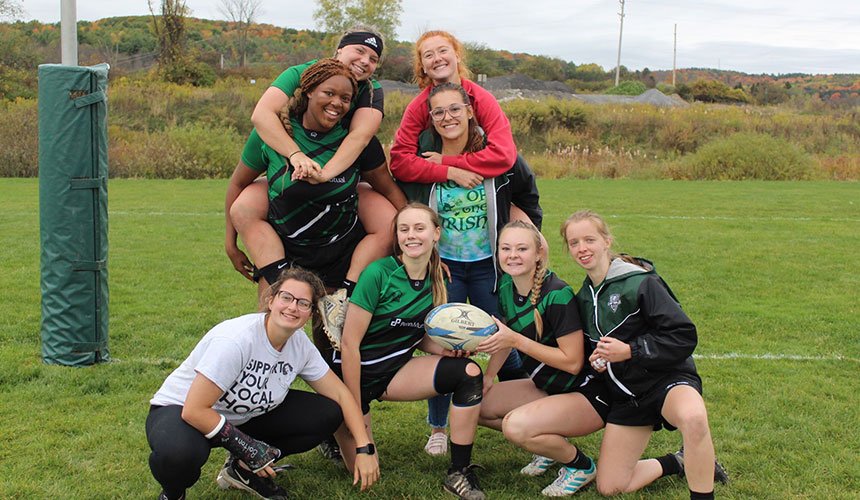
458, 326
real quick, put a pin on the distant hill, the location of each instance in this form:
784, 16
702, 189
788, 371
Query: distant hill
128, 44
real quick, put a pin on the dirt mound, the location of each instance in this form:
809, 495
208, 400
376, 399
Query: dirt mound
523, 82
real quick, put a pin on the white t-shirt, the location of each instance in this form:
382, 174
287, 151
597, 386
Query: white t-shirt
237, 356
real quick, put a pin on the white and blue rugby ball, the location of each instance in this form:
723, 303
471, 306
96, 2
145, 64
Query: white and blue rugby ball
458, 326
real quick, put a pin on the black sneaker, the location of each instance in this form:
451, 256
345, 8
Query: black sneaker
721, 475
234, 476
163, 496
331, 450
464, 484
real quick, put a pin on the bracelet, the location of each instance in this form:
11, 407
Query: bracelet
294, 153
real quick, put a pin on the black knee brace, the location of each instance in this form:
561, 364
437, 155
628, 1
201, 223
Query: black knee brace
271, 272
451, 376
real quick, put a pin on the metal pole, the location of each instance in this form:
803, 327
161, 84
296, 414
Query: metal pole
675, 54
620, 30
69, 32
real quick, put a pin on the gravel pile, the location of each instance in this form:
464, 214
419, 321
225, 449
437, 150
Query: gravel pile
392, 85
522, 82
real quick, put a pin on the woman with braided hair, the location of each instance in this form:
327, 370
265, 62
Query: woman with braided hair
540, 319
246, 204
315, 225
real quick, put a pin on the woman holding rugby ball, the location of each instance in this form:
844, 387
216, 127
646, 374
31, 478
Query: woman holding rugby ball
541, 320
233, 391
641, 342
385, 325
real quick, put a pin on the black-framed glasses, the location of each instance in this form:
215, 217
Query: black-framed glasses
455, 110
303, 305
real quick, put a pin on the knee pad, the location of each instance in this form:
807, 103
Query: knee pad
451, 376
271, 272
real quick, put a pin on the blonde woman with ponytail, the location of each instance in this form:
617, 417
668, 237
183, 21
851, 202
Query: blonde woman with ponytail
385, 325
540, 318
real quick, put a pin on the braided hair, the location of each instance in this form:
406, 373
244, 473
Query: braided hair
539, 274
434, 267
316, 74
475, 141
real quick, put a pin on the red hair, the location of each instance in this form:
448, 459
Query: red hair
421, 78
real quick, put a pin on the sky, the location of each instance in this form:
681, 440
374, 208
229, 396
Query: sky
789, 36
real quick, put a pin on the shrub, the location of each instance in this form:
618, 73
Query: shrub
19, 140
627, 88
747, 155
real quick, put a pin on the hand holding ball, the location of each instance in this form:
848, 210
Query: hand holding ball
458, 326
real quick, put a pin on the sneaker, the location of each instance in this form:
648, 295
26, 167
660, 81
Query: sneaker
537, 466
234, 476
163, 496
721, 475
437, 444
333, 311
569, 481
464, 484
331, 450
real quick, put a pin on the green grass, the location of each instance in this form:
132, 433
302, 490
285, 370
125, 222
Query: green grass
763, 268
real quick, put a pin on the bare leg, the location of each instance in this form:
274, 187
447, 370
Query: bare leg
619, 456
248, 214
504, 397
685, 409
376, 214
543, 426
347, 443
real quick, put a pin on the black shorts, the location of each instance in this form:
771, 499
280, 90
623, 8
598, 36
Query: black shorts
648, 408
595, 391
329, 262
368, 393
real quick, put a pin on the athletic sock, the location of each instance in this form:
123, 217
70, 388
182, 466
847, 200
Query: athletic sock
701, 496
350, 286
461, 455
670, 465
580, 461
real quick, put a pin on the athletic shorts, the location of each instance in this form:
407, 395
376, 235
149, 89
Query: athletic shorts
368, 393
596, 393
648, 408
329, 262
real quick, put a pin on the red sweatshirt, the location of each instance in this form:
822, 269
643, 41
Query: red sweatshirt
493, 160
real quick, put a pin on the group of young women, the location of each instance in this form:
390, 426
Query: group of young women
461, 223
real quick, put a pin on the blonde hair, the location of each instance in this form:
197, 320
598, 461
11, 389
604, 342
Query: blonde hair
355, 28
602, 230
312, 77
434, 267
540, 270
420, 76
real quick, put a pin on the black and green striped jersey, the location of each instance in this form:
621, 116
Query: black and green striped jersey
560, 315
399, 306
314, 214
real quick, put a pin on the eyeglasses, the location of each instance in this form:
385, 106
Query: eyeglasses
303, 305
455, 110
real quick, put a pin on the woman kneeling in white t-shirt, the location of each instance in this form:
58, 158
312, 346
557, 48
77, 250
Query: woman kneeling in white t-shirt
233, 391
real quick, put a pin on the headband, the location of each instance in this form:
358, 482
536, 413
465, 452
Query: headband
362, 38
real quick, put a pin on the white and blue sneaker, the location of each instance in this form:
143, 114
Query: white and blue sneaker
569, 481
537, 466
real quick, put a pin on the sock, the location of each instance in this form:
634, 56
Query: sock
670, 465
580, 461
701, 496
461, 455
350, 286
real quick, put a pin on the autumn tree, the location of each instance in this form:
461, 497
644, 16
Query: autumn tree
242, 13
335, 16
170, 30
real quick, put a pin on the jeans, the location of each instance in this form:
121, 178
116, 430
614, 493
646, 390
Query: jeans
472, 282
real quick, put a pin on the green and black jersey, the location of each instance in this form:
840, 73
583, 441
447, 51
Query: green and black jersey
399, 306
558, 309
315, 214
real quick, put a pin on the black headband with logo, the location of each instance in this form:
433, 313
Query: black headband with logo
362, 38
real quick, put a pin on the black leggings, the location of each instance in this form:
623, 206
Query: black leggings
179, 450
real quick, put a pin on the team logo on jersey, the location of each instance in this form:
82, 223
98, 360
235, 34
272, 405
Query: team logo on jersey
614, 302
371, 41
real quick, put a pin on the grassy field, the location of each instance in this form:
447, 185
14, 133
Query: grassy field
767, 270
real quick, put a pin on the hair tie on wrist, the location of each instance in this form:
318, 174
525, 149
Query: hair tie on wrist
294, 153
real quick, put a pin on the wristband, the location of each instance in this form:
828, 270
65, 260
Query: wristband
211, 434
368, 449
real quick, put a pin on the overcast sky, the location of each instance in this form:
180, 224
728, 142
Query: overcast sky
763, 36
